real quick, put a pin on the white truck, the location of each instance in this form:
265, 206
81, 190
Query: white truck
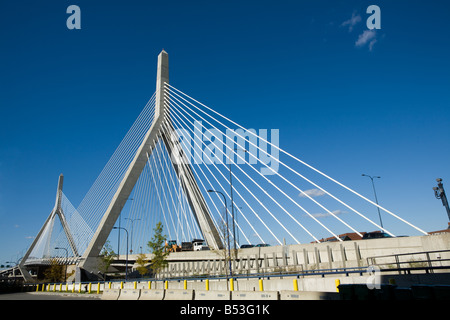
199, 245
194, 245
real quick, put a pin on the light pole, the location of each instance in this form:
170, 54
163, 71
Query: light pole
126, 259
375, 193
67, 258
132, 224
228, 230
439, 193
232, 202
118, 237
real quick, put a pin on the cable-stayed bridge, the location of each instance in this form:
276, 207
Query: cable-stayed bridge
203, 176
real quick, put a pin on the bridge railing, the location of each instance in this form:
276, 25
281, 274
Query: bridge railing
428, 261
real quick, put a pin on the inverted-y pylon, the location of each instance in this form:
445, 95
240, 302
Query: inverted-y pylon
56, 212
182, 168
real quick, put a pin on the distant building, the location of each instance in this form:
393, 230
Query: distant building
440, 231
344, 237
354, 236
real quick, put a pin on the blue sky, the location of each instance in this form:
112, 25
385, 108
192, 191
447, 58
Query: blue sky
346, 101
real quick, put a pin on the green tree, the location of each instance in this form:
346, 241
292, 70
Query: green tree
55, 273
158, 249
106, 258
142, 261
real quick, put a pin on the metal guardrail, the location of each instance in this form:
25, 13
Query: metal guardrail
265, 275
428, 265
396, 262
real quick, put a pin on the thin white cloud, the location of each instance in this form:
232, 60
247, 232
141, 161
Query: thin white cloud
371, 44
312, 193
327, 214
354, 20
367, 37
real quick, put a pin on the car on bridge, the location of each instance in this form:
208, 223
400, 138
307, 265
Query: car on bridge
376, 235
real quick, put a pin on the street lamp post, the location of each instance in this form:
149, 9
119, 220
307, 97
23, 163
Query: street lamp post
227, 229
131, 236
439, 193
118, 237
67, 258
232, 202
375, 193
126, 259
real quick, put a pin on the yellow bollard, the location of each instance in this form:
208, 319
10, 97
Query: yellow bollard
73, 287
185, 284
109, 285
207, 284
231, 284
261, 287
60, 287
67, 287
337, 282
134, 285
121, 284
295, 284
149, 285
98, 287
79, 288
166, 285
37, 288
43, 287
89, 287
54, 287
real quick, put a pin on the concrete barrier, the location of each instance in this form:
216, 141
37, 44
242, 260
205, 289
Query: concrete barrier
111, 294
179, 294
308, 295
212, 295
129, 294
254, 295
152, 294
